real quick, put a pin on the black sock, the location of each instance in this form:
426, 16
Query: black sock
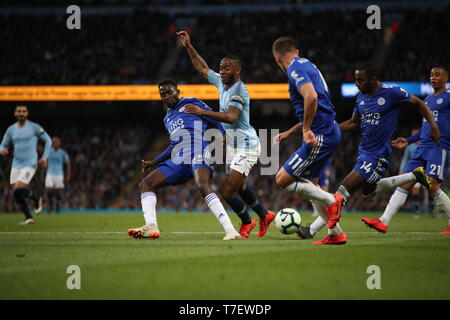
51, 199
20, 197
239, 208
416, 203
29, 194
251, 199
58, 201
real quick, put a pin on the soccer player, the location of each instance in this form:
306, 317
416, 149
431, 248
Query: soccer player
185, 158
24, 136
55, 178
321, 135
429, 154
376, 113
243, 146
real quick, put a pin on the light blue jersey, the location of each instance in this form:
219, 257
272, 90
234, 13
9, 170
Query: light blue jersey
409, 150
240, 134
56, 161
25, 141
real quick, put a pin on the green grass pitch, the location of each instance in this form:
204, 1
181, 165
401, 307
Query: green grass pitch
191, 261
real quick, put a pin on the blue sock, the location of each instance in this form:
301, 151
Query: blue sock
250, 198
238, 206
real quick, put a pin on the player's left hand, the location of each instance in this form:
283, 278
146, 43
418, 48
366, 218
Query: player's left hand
148, 165
310, 138
193, 109
43, 163
399, 143
4, 152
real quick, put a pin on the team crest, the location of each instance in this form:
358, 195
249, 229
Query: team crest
381, 101
439, 101
182, 109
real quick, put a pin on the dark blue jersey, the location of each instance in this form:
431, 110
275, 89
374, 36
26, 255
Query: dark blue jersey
379, 114
302, 71
440, 108
186, 131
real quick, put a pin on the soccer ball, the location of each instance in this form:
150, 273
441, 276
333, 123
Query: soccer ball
288, 220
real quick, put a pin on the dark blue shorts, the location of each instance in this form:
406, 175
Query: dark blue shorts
435, 160
371, 167
181, 173
307, 161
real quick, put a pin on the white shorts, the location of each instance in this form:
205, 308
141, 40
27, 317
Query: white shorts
54, 181
23, 175
242, 160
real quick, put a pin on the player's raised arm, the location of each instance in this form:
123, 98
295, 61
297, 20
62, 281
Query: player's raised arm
199, 64
350, 124
426, 113
309, 95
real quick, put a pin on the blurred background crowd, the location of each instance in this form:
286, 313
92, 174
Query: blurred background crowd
134, 42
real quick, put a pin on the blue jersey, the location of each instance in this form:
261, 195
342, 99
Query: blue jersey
440, 108
56, 161
378, 115
186, 130
240, 134
302, 71
25, 140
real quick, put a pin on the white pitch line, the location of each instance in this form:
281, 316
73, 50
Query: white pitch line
174, 232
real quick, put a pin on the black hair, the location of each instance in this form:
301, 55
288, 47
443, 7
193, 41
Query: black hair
21, 105
371, 69
440, 66
167, 82
234, 58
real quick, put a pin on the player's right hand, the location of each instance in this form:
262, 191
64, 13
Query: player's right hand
184, 38
43, 163
147, 165
4, 152
280, 137
399, 143
310, 138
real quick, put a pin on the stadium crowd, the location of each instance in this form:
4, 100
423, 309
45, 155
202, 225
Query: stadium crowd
114, 48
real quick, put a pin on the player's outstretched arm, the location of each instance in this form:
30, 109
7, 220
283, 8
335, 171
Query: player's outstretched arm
199, 64
350, 124
426, 113
284, 135
229, 116
150, 164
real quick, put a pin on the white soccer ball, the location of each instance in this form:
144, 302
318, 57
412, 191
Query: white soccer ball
288, 220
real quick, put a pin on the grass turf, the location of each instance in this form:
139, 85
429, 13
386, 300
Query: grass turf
191, 261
